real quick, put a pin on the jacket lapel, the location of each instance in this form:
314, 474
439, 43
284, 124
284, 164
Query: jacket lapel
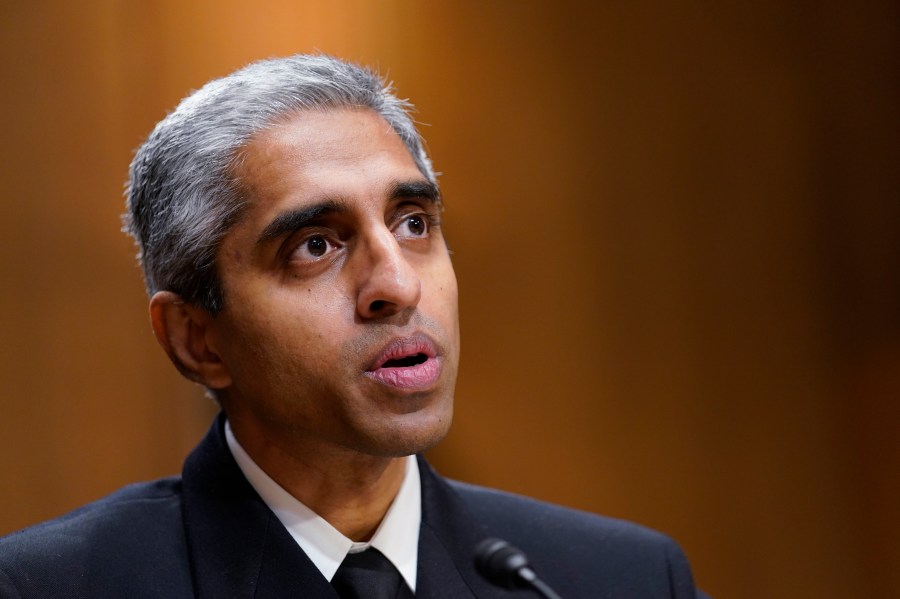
239, 549
237, 546
447, 540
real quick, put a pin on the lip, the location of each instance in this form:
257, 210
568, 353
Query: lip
407, 377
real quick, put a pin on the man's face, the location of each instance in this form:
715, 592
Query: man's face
340, 326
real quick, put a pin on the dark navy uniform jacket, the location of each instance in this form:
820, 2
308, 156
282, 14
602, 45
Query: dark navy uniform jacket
207, 534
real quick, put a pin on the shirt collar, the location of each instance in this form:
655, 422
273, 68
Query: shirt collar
397, 537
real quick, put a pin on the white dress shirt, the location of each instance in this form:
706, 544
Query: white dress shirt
397, 537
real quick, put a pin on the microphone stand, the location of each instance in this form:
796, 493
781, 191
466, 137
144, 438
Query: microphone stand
506, 566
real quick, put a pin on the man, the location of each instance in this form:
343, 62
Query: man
289, 226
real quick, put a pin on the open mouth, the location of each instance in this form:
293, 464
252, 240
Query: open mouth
410, 363
412, 360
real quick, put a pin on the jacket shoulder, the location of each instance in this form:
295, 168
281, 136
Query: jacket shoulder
565, 544
131, 539
507, 511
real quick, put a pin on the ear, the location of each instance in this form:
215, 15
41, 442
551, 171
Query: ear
183, 331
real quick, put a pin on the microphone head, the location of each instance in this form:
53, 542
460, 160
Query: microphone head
501, 563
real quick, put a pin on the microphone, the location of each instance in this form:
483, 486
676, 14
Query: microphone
506, 566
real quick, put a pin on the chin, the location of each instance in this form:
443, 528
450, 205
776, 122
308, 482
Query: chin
412, 434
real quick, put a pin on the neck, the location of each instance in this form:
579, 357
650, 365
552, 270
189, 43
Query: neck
350, 490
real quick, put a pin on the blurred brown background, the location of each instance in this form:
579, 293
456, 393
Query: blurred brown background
675, 227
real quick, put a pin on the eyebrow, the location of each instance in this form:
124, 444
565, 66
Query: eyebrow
416, 189
294, 220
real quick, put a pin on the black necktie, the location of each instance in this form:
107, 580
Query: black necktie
369, 575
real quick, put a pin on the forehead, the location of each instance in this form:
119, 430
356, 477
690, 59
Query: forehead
323, 150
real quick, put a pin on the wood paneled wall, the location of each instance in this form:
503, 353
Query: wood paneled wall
674, 226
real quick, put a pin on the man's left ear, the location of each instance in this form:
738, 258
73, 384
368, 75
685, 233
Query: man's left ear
183, 331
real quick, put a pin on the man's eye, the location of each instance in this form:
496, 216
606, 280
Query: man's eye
316, 246
313, 247
414, 225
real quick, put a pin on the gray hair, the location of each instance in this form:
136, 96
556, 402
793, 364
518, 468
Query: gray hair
181, 196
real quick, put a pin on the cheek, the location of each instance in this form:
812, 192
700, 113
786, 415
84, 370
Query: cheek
443, 291
301, 330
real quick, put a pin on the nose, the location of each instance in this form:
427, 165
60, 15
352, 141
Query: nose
389, 284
